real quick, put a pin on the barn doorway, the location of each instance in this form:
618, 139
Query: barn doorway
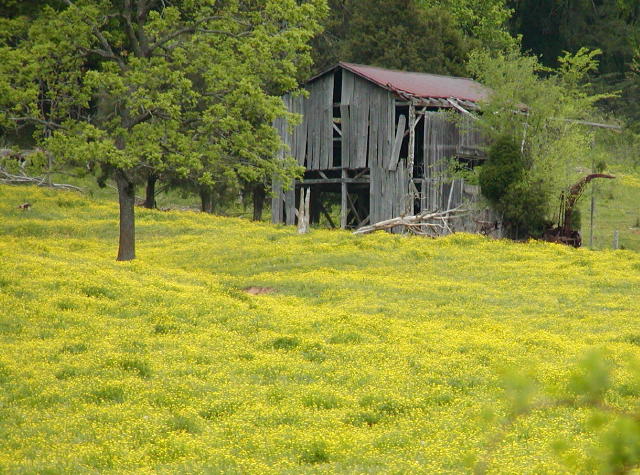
339, 198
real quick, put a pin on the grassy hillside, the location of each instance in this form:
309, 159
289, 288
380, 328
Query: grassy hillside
617, 209
372, 354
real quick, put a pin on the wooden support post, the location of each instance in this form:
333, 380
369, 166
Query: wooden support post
352, 205
343, 205
616, 240
324, 211
303, 212
411, 158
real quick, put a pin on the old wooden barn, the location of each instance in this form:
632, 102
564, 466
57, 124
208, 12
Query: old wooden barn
379, 143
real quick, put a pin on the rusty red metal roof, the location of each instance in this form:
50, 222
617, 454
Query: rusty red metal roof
421, 85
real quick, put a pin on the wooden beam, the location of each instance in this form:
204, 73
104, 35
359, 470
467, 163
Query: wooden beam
411, 158
353, 208
343, 203
456, 105
362, 172
418, 119
326, 214
330, 181
397, 145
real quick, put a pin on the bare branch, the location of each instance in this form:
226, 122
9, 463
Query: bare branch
196, 27
107, 51
140, 119
46, 123
129, 28
7, 178
420, 221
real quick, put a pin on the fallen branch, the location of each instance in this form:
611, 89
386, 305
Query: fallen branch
7, 178
427, 223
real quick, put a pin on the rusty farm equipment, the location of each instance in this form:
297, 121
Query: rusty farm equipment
563, 232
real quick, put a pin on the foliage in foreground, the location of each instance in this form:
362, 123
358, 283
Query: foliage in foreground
374, 354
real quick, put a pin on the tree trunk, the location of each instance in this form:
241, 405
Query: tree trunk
127, 198
206, 197
150, 197
259, 195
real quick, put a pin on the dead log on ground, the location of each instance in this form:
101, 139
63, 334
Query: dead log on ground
7, 178
433, 224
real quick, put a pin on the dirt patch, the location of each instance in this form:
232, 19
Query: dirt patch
260, 290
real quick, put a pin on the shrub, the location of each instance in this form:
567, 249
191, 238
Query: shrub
524, 208
507, 184
503, 168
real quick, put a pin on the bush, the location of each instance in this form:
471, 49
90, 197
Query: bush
524, 207
507, 184
504, 167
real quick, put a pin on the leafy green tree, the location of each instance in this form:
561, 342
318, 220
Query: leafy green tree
484, 22
140, 87
506, 183
504, 167
550, 27
397, 34
420, 35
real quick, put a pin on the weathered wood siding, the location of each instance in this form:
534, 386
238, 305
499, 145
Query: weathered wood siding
311, 141
366, 118
445, 139
371, 140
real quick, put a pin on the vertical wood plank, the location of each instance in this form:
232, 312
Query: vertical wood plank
397, 143
290, 205
347, 111
411, 157
327, 123
346, 134
343, 202
374, 119
363, 123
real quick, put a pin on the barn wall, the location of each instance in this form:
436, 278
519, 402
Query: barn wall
368, 128
444, 139
311, 142
367, 118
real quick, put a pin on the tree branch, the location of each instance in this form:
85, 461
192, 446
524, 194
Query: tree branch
46, 123
196, 27
139, 119
107, 51
129, 28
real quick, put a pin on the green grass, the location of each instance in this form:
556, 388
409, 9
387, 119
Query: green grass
374, 354
617, 209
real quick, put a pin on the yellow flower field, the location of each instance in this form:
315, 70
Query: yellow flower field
375, 354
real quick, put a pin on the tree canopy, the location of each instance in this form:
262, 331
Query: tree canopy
417, 35
551, 27
144, 86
